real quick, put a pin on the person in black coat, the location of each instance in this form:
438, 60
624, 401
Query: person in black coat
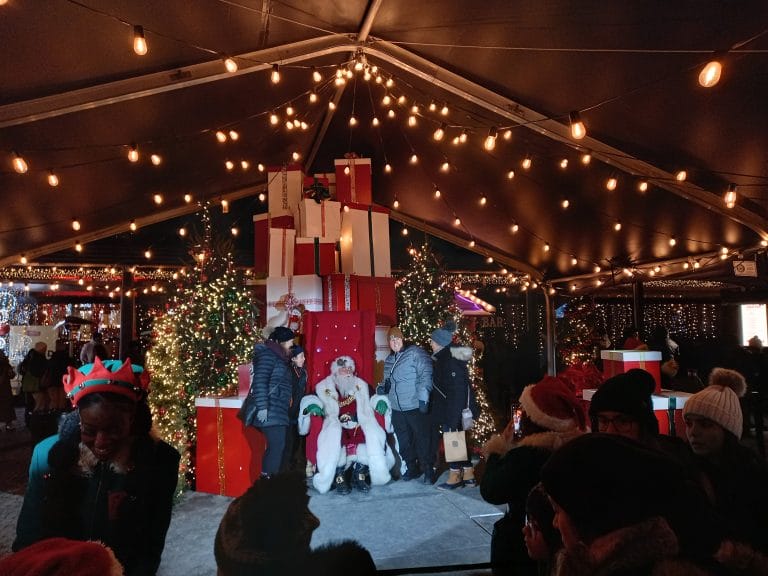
271, 393
292, 455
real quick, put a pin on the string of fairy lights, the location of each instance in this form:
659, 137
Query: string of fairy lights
421, 110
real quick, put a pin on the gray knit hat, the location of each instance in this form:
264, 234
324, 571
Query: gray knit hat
443, 336
720, 400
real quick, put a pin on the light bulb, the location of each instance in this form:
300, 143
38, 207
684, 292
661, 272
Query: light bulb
565, 203
437, 193
564, 163
23, 259
672, 241
611, 183
147, 254
235, 231
158, 198
401, 100
396, 205
445, 166
78, 247
156, 159
275, 76
139, 42
75, 224
642, 186
316, 76
578, 131
230, 65
133, 153
229, 165
244, 164
225, 206
507, 134
187, 198
221, 136
617, 226
234, 135
444, 110
510, 175
710, 74
260, 167
387, 100
483, 200
375, 121
730, 196
546, 247
414, 159
19, 164
352, 121
514, 228
457, 222
182, 231
415, 109
586, 158
387, 168
295, 156
273, 119
289, 111
389, 83
439, 133
472, 243
490, 140
262, 197
526, 163
53, 180
681, 176
132, 226
313, 97
331, 105
597, 269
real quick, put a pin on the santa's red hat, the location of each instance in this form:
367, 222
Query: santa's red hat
552, 404
62, 557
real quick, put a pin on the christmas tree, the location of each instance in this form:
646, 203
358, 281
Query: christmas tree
578, 333
206, 332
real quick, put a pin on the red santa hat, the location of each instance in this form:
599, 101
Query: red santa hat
552, 404
62, 557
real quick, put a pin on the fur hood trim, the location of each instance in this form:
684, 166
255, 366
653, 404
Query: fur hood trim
463, 353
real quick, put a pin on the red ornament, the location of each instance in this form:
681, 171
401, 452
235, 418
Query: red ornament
5, 329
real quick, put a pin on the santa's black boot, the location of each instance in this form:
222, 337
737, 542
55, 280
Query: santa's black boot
360, 477
340, 482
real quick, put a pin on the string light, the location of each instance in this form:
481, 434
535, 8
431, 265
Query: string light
230, 65
490, 140
611, 183
221, 136
564, 163
229, 165
23, 259
75, 224
275, 76
156, 159
375, 121
388, 168
437, 192
316, 76
586, 158
414, 158
527, 162
53, 180
133, 153
147, 254
578, 131
225, 206
483, 200
547, 247
187, 198
78, 247
234, 135
313, 97
158, 198
19, 164
730, 196
444, 110
445, 167
672, 241
617, 226
439, 133
642, 186
565, 203
681, 176
274, 119
182, 231
139, 42
710, 74
510, 175
132, 226
507, 134
515, 227
457, 221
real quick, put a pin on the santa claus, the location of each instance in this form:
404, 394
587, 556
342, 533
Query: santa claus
353, 432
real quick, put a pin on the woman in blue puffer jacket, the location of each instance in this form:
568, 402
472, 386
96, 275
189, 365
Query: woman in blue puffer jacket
271, 393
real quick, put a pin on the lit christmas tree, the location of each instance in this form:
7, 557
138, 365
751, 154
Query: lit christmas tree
426, 301
205, 334
578, 334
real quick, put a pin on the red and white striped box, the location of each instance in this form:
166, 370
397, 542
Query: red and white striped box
353, 180
339, 292
364, 244
319, 219
285, 188
314, 256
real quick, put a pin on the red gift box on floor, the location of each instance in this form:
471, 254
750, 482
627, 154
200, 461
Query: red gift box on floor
285, 188
619, 361
378, 294
353, 180
364, 244
328, 335
228, 453
314, 256
321, 219
340, 292
273, 249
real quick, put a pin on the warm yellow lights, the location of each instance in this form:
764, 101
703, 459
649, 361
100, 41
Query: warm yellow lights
313, 97
490, 141
53, 180
564, 163
158, 199
471, 244
547, 247
586, 158
578, 130
510, 175
331, 105
23, 259
672, 241
262, 197
444, 110
78, 247
611, 183
19, 164
229, 165
352, 121
234, 135
289, 111
316, 76
375, 121
730, 196
295, 156
412, 120
156, 159
187, 198
244, 164
437, 193
445, 166
681, 176
439, 133
234, 230
231, 65
565, 203
414, 159
182, 231
642, 186
526, 163
507, 134
597, 269
147, 254
132, 226
483, 200
710, 74
75, 224
221, 136
514, 228
275, 75
457, 221
396, 205
574, 261
139, 42
133, 153
489, 260
617, 226
224, 206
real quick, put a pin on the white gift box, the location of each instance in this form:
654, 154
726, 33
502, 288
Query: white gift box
364, 241
289, 297
319, 219
285, 188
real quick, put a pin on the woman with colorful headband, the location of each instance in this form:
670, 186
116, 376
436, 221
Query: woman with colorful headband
104, 476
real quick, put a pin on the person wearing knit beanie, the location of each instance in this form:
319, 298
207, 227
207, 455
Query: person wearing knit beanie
552, 404
443, 336
718, 403
62, 557
394, 332
623, 405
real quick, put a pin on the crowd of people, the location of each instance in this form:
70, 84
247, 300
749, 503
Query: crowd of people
589, 488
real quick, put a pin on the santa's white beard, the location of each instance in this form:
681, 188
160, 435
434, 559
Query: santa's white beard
345, 384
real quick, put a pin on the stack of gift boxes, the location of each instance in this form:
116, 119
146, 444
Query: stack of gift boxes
322, 268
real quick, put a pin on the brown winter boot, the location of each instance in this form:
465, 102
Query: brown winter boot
454, 480
468, 476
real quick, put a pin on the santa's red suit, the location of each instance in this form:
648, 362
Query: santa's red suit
354, 429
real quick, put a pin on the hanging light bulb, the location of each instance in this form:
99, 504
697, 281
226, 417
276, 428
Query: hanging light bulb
439, 133
472, 243
295, 156
244, 164
75, 224
262, 197
445, 167
275, 76
158, 198
274, 119
642, 186
139, 42
586, 158
187, 198
574, 261
483, 200
78, 247
415, 109
352, 121
411, 120
710, 74
617, 226
527, 162
457, 221
514, 228
289, 110
156, 159
234, 135
672, 241
53, 180
611, 183
182, 231
23, 259
414, 158
147, 254
730, 196
546, 247
234, 230
578, 130
331, 105
565, 203
389, 83
437, 192
221, 136
396, 205
229, 165
508, 134
224, 206
19, 164
510, 175
444, 110
260, 167
564, 163
313, 97
681, 176
133, 153
387, 168
375, 121
316, 76
490, 140
464, 136
230, 65
132, 226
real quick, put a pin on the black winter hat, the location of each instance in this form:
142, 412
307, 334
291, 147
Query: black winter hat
605, 482
628, 393
282, 334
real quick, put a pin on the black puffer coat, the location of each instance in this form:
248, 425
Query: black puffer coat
271, 385
451, 386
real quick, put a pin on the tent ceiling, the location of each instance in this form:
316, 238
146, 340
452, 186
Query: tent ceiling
75, 96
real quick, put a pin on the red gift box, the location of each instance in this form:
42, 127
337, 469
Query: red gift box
228, 453
268, 254
328, 335
620, 361
353, 180
314, 256
364, 244
662, 404
329, 180
378, 294
340, 292
285, 187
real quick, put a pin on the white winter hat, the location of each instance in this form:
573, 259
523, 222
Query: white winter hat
720, 400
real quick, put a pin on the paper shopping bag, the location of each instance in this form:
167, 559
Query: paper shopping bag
455, 444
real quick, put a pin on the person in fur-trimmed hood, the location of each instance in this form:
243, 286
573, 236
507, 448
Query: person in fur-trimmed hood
352, 434
552, 416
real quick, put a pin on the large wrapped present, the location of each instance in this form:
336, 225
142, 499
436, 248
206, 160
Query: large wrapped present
285, 187
228, 453
667, 407
328, 335
314, 256
274, 239
353, 180
326, 178
364, 244
288, 298
321, 219
378, 294
620, 361
339, 292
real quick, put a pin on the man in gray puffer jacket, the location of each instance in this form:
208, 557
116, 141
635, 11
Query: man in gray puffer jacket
407, 384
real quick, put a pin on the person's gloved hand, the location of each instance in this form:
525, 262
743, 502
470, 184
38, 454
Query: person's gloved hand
423, 407
314, 410
261, 415
380, 390
381, 407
